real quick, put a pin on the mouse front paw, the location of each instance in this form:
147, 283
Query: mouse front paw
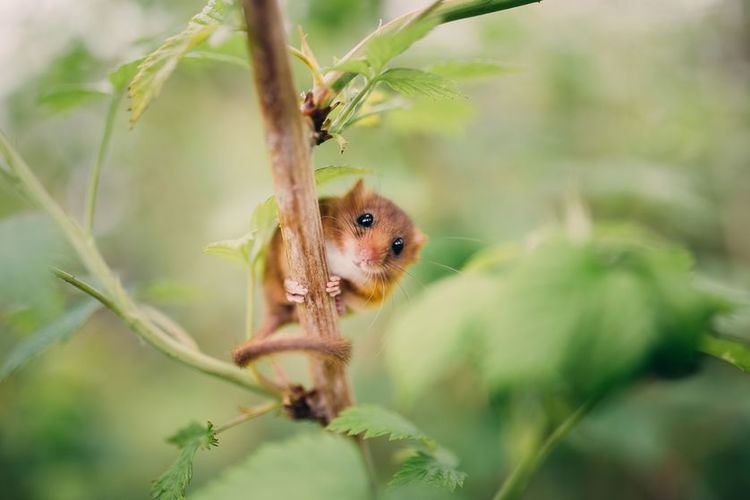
333, 287
295, 292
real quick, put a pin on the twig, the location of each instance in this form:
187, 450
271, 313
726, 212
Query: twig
447, 11
247, 414
288, 139
96, 171
114, 295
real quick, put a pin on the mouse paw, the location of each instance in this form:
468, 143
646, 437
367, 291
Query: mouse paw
333, 287
340, 306
295, 292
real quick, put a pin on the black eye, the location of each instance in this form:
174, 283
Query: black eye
398, 245
365, 220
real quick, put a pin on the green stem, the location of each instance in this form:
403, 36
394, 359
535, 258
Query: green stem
116, 296
519, 478
96, 171
247, 414
447, 11
350, 110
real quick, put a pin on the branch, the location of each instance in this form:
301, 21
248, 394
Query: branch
288, 140
447, 11
96, 171
114, 296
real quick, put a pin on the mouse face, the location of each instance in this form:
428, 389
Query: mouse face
368, 237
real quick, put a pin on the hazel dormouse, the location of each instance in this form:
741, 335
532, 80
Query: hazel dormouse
369, 243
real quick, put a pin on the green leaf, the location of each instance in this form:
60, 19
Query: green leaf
59, 330
382, 48
438, 469
172, 483
449, 314
194, 431
460, 70
358, 66
210, 55
373, 421
157, 67
324, 175
264, 220
317, 466
120, 77
732, 352
415, 83
237, 250
65, 97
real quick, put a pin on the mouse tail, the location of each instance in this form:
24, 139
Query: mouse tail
253, 350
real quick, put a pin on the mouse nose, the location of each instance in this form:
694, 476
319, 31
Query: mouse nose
366, 255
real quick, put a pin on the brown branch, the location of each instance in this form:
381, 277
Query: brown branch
288, 140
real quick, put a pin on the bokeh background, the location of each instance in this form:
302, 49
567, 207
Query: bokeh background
639, 109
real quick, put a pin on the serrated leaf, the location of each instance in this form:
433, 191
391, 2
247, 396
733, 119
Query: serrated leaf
341, 142
382, 48
438, 469
194, 431
358, 66
459, 70
171, 485
66, 97
324, 175
58, 331
373, 421
157, 67
209, 55
417, 83
237, 250
120, 77
307, 467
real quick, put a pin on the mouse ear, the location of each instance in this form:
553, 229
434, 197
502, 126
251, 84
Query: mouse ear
358, 190
419, 237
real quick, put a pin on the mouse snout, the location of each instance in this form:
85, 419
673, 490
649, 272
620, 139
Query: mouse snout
366, 255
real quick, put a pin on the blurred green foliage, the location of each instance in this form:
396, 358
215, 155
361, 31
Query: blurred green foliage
641, 110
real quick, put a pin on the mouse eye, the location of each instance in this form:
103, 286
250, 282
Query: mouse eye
365, 220
398, 245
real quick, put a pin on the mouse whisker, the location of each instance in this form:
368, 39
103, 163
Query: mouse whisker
445, 266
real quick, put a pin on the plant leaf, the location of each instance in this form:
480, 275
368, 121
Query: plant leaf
414, 83
237, 250
459, 70
157, 67
306, 467
210, 55
382, 48
373, 421
733, 352
66, 97
438, 469
120, 77
358, 66
324, 175
172, 483
57, 331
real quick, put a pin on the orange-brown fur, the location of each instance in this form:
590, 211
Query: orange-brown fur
362, 286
